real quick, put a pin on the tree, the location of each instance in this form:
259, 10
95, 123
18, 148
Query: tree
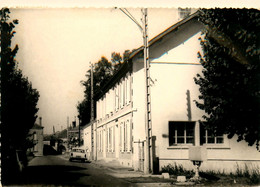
18, 101
230, 80
102, 72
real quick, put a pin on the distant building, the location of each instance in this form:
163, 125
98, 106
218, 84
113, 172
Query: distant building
119, 128
73, 136
37, 137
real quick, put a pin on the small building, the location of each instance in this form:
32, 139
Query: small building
37, 137
119, 131
87, 139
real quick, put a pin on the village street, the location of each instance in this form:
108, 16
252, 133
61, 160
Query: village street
53, 170
56, 170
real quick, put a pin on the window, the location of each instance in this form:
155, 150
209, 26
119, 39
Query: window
128, 90
128, 136
116, 98
208, 137
181, 133
113, 139
110, 139
100, 139
122, 137
125, 136
121, 94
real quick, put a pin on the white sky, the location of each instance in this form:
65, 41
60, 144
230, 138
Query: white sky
57, 44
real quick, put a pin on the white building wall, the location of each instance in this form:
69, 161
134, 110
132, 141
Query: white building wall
173, 74
87, 141
114, 126
139, 110
174, 64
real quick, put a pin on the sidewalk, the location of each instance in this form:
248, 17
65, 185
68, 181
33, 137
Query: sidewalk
128, 174
113, 169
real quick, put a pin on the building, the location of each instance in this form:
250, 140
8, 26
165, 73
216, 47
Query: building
87, 143
119, 132
73, 136
37, 137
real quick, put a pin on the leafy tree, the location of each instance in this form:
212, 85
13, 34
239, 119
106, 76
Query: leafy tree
117, 60
230, 80
102, 72
18, 101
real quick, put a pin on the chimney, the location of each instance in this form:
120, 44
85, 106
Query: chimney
40, 121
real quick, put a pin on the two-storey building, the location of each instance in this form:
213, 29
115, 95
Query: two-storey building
119, 131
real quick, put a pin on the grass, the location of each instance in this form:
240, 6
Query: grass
177, 170
244, 174
252, 175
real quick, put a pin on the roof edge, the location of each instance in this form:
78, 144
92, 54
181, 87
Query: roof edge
165, 32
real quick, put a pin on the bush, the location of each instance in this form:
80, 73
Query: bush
255, 177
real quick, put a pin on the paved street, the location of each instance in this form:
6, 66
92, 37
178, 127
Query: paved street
53, 170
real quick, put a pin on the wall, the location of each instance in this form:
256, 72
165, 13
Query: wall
172, 75
138, 111
114, 123
87, 140
38, 137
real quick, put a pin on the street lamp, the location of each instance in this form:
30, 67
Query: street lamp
148, 120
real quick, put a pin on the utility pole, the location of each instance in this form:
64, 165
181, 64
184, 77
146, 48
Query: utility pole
148, 120
68, 131
92, 111
78, 131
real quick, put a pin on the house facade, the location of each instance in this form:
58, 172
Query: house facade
37, 137
119, 132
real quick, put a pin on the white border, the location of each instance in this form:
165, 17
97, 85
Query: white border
130, 3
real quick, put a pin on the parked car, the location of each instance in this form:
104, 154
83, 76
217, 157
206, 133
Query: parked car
78, 154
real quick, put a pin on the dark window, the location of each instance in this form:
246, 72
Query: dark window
181, 133
208, 137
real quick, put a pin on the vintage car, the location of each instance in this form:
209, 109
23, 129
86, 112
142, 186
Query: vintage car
78, 154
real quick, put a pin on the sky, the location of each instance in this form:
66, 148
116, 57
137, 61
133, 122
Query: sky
56, 46
58, 40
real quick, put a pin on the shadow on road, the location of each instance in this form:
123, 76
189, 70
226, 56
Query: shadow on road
51, 175
49, 150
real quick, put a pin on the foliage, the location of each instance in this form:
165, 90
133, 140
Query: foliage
103, 71
29, 143
18, 97
252, 174
177, 170
230, 80
242, 175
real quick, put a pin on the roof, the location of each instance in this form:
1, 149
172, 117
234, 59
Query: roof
88, 124
36, 126
164, 33
128, 66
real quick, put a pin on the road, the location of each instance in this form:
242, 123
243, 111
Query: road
56, 171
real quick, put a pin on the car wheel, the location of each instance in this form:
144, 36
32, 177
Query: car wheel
70, 159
